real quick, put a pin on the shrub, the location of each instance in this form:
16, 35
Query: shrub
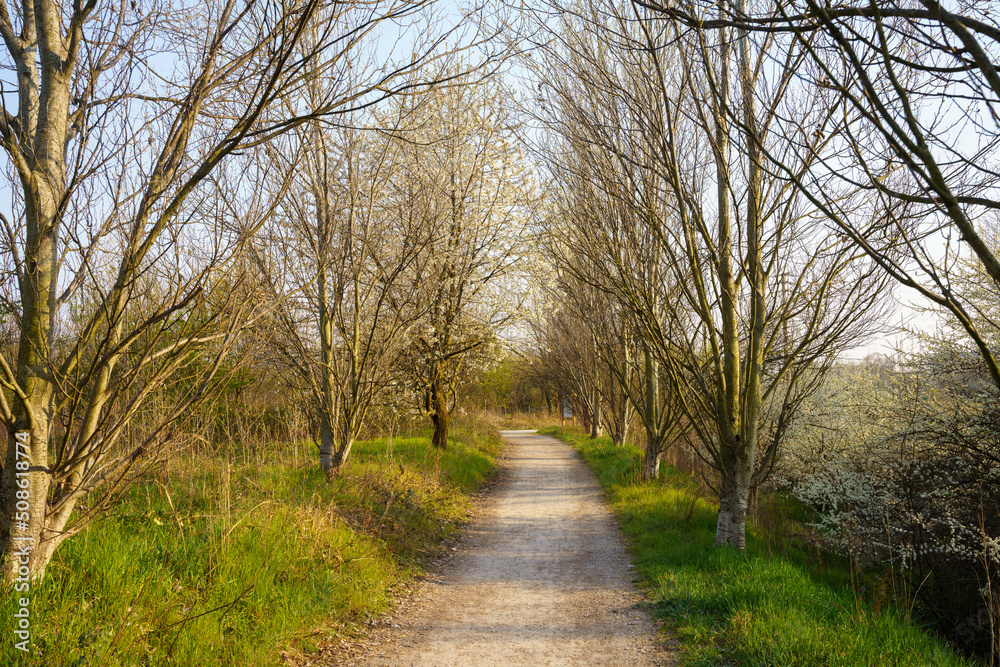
903, 470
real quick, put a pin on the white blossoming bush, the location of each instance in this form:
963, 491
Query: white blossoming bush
903, 469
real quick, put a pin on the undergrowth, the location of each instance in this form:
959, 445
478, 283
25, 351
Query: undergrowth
236, 559
744, 608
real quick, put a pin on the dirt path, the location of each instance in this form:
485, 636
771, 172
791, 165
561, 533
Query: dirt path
541, 577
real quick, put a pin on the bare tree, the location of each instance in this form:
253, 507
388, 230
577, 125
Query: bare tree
468, 180
344, 263
913, 131
569, 344
595, 239
129, 120
670, 126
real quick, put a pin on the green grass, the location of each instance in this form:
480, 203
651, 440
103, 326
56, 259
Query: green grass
215, 563
754, 608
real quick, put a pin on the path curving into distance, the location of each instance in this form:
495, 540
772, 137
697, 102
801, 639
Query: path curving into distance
540, 577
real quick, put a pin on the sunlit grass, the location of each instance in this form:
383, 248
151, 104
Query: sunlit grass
752, 608
219, 562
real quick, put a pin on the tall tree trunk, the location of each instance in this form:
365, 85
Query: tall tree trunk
340, 458
757, 282
595, 412
26, 543
439, 410
731, 528
739, 445
654, 448
731, 418
327, 397
24, 498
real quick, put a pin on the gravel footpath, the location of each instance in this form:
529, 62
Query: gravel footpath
540, 577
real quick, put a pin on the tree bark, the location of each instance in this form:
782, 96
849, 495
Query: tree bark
731, 528
340, 458
651, 462
654, 448
326, 440
439, 411
26, 544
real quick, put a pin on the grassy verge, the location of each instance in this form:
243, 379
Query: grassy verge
748, 608
222, 563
